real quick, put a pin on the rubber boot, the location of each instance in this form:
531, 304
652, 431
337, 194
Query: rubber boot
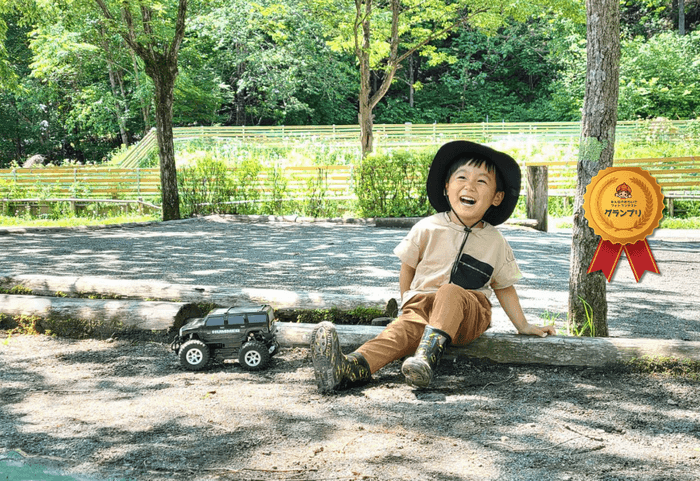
333, 369
420, 368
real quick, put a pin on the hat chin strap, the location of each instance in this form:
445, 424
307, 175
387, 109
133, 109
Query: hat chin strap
466, 227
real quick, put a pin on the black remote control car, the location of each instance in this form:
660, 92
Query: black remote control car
245, 333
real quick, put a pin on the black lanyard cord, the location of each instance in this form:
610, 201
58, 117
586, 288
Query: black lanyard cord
467, 231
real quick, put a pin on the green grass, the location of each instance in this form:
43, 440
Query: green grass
6, 221
665, 367
569, 328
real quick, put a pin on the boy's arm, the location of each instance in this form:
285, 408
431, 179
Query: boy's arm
508, 298
406, 277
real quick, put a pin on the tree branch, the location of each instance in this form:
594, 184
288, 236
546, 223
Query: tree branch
179, 29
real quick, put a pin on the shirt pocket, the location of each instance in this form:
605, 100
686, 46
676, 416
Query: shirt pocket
471, 273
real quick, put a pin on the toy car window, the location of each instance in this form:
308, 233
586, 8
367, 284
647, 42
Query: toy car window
215, 321
236, 320
257, 318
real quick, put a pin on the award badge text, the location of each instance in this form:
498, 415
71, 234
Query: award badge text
623, 205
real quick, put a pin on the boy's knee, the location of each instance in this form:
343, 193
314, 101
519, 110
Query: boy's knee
449, 291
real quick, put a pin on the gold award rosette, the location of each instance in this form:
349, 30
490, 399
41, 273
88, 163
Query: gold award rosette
623, 205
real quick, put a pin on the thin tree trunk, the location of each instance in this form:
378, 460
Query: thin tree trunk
411, 81
362, 50
681, 17
164, 91
119, 113
596, 153
145, 106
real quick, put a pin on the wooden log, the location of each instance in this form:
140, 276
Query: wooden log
537, 197
152, 289
516, 349
115, 313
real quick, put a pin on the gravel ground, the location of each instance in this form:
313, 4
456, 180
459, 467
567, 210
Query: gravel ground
123, 409
357, 260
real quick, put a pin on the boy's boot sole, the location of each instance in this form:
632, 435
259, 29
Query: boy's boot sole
326, 357
418, 372
333, 369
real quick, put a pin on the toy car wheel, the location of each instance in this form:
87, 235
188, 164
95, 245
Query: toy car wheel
194, 355
274, 348
254, 356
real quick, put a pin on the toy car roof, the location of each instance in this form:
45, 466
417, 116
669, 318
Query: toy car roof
239, 310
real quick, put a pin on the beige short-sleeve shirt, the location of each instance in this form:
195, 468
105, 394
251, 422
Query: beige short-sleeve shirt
431, 247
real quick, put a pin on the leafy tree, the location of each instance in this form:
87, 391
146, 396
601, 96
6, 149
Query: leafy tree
505, 76
381, 35
273, 63
156, 40
661, 77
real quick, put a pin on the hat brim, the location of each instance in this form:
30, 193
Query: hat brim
506, 165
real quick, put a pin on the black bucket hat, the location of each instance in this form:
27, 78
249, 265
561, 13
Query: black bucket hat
506, 165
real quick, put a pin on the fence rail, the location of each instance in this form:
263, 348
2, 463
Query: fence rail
678, 176
407, 134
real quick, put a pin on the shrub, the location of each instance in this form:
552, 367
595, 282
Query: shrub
203, 186
392, 184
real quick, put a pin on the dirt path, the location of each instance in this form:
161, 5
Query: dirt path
125, 410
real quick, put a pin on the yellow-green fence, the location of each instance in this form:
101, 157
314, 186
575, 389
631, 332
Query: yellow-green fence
676, 176
408, 135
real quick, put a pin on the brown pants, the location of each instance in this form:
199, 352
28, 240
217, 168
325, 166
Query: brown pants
463, 314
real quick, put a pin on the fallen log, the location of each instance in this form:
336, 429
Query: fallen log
153, 289
99, 313
516, 349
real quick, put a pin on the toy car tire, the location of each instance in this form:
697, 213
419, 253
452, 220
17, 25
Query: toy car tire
194, 355
254, 356
274, 349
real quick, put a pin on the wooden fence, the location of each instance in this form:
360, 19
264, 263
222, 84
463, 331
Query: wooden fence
679, 177
406, 134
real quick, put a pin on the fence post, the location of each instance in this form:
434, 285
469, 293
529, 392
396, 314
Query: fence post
537, 195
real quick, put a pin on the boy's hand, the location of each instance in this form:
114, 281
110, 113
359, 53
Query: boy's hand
543, 331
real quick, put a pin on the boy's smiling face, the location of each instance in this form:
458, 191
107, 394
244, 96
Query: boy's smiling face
471, 191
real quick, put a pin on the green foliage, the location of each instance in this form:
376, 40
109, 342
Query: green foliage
660, 77
356, 316
27, 325
680, 223
665, 366
204, 186
392, 184
273, 64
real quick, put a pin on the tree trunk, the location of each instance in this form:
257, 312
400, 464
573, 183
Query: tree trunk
596, 153
537, 195
120, 117
411, 81
164, 85
681, 17
362, 32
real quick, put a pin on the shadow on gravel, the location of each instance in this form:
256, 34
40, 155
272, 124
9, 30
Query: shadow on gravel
479, 421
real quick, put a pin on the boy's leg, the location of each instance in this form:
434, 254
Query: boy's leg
457, 315
462, 314
401, 337
334, 370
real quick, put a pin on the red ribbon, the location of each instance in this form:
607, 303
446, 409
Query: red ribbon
638, 255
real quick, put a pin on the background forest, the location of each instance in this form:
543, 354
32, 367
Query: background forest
79, 93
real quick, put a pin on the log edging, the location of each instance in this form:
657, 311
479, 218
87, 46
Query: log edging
517, 349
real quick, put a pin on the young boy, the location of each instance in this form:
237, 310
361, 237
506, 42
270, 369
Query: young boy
450, 263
